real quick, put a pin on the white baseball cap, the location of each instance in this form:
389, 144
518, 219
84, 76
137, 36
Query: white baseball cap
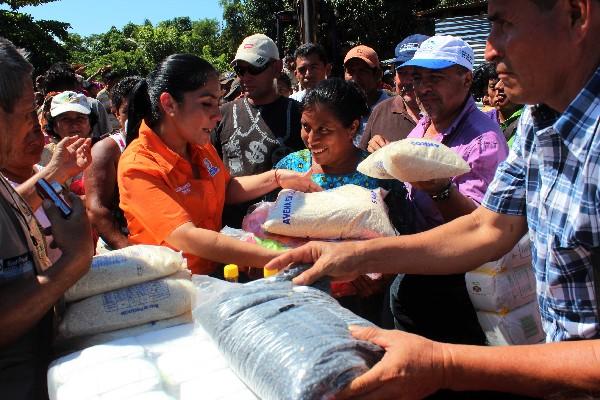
257, 50
439, 52
69, 101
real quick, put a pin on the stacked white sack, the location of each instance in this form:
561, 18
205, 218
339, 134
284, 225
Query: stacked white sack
125, 267
127, 291
81, 342
345, 212
174, 363
503, 293
414, 160
130, 306
522, 325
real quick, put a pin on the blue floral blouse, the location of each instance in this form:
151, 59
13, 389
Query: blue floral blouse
301, 161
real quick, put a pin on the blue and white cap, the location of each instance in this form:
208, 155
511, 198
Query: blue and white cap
406, 49
439, 52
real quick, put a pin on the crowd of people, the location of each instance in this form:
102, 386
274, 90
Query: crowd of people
171, 158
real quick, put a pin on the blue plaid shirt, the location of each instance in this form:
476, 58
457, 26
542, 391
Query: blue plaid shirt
551, 176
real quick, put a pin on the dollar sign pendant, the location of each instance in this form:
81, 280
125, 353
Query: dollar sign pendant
257, 152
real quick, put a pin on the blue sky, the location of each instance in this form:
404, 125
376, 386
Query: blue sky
97, 16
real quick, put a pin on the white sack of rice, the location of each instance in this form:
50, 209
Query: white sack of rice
346, 212
182, 365
83, 342
222, 384
63, 369
373, 165
117, 379
134, 305
522, 325
417, 160
125, 267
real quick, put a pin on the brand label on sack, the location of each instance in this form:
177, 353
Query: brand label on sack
426, 144
287, 208
373, 197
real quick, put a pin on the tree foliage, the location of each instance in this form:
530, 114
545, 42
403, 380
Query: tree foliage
40, 38
16, 4
341, 24
137, 49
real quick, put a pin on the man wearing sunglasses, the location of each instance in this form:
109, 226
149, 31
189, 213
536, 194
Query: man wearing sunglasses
394, 118
261, 127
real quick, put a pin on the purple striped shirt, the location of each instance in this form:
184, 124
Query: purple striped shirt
480, 142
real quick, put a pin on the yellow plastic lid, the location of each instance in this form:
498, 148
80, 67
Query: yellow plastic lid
230, 271
270, 272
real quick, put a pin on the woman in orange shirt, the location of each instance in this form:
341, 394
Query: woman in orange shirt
172, 183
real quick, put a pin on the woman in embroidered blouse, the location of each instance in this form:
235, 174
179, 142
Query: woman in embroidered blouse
331, 115
330, 119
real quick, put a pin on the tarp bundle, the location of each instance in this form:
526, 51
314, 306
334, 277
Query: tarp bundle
280, 338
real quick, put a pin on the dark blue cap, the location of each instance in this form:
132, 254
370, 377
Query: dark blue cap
405, 50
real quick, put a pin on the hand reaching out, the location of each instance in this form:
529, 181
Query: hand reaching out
71, 156
299, 181
376, 143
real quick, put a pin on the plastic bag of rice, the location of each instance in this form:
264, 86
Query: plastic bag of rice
134, 305
373, 165
346, 212
284, 341
126, 267
417, 160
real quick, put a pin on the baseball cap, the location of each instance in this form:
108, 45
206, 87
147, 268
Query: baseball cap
226, 77
69, 101
440, 52
405, 50
234, 90
257, 49
364, 53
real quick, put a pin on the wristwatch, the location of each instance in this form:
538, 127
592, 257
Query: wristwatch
443, 194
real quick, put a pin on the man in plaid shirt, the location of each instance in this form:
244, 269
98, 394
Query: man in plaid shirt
547, 54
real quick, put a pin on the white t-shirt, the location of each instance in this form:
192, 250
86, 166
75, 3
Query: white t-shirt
298, 96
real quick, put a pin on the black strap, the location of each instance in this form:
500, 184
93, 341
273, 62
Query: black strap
509, 131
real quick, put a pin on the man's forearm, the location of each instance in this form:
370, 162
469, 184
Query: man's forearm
26, 302
455, 247
564, 369
456, 205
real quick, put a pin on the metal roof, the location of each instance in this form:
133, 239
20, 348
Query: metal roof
452, 6
474, 29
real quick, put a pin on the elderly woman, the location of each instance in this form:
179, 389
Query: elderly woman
70, 116
331, 115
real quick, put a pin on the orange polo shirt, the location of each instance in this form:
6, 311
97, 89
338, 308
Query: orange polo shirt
158, 192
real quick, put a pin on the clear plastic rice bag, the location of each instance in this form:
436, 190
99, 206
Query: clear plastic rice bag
283, 340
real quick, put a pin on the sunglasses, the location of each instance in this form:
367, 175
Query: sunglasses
251, 69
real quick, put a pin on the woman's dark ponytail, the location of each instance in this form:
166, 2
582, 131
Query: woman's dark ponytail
139, 108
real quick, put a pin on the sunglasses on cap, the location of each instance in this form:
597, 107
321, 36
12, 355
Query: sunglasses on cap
251, 69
